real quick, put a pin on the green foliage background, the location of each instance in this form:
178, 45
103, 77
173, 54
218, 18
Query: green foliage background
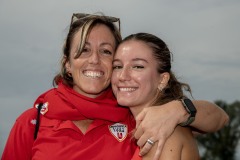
222, 145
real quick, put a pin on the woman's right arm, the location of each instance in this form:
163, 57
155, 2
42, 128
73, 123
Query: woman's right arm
21, 137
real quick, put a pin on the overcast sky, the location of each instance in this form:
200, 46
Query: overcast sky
203, 36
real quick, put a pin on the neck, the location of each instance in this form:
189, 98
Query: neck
137, 109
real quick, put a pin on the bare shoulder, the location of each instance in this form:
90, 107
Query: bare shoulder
180, 145
173, 147
185, 139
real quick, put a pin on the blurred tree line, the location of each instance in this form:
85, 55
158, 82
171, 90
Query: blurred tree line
222, 145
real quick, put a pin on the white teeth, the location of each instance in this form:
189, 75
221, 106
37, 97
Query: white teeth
93, 74
127, 89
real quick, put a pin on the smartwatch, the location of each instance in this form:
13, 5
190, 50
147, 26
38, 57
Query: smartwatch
190, 108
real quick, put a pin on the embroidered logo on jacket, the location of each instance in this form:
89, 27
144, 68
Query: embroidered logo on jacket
119, 131
44, 108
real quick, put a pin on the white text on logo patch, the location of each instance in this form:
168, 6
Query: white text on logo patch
119, 131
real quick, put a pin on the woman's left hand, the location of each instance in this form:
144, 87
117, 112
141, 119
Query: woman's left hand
157, 124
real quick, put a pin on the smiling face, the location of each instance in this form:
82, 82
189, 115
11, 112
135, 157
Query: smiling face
135, 79
91, 72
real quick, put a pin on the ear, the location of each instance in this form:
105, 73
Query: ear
164, 78
67, 65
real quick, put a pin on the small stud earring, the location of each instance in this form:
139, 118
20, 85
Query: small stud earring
160, 88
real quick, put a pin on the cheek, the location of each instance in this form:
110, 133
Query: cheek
143, 78
108, 65
149, 81
114, 77
75, 66
109, 62
114, 81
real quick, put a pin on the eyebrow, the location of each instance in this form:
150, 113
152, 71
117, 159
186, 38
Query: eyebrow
102, 44
135, 59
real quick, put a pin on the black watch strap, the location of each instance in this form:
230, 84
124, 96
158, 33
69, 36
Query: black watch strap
190, 108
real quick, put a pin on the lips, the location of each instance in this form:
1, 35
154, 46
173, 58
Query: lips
93, 74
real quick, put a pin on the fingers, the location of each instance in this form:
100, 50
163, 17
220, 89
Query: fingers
142, 139
148, 145
140, 117
139, 132
159, 139
159, 150
156, 124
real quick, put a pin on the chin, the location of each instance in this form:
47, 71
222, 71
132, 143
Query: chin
124, 103
94, 92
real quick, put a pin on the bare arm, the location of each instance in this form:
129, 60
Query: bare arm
209, 117
158, 123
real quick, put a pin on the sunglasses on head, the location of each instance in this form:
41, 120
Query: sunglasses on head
82, 16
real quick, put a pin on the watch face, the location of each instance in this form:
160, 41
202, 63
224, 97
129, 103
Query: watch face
190, 106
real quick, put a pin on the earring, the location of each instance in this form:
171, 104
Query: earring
160, 88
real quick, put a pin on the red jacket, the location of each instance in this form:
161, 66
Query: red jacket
108, 136
63, 140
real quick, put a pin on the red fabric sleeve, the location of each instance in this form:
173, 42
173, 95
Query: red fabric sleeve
136, 155
21, 137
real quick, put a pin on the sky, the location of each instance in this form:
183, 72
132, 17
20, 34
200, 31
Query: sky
203, 36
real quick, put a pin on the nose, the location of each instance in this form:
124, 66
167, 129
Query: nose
94, 58
125, 75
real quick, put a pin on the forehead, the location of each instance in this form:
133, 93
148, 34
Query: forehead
99, 33
134, 49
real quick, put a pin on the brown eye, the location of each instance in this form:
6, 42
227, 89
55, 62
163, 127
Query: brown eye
117, 67
138, 67
106, 51
85, 49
